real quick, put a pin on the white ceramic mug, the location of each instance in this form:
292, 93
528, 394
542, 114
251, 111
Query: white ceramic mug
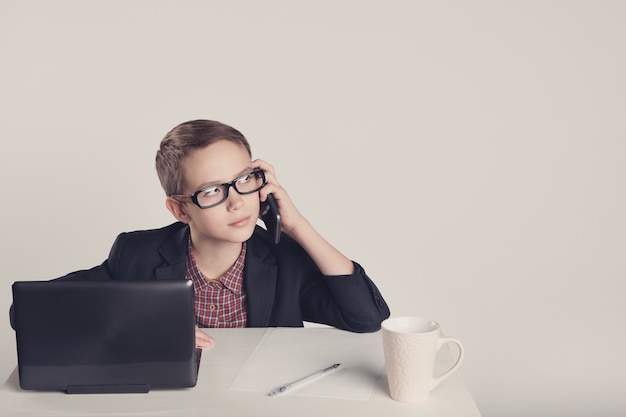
410, 345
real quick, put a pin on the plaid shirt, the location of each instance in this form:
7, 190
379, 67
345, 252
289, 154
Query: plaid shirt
219, 303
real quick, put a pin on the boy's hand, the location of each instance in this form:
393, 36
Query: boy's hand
328, 259
290, 217
203, 340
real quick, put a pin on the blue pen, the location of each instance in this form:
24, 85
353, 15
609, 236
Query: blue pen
302, 381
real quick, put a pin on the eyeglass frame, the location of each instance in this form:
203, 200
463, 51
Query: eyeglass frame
227, 185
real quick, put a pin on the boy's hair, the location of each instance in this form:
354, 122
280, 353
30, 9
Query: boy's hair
184, 139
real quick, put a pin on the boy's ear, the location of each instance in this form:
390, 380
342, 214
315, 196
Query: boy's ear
177, 209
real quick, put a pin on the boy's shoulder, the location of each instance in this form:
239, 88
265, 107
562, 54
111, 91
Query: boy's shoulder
166, 230
177, 230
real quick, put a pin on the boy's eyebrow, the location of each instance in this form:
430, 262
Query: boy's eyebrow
212, 183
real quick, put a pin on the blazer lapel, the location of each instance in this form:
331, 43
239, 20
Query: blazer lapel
174, 253
260, 283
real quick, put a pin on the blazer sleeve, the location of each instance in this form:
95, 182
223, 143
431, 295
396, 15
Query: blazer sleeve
348, 302
300, 292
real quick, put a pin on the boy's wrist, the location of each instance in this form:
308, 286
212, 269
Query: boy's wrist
299, 230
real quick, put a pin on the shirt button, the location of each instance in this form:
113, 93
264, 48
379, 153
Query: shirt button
212, 307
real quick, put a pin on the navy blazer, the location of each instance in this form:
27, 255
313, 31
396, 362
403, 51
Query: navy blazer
283, 286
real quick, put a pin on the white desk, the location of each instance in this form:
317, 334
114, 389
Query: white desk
211, 396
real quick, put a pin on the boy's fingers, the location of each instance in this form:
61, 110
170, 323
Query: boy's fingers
203, 340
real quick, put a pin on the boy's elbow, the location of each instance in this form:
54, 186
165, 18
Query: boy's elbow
369, 325
12, 317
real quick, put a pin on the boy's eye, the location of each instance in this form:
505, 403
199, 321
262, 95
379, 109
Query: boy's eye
244, 179
210, 192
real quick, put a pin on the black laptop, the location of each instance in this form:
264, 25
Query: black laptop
105, 336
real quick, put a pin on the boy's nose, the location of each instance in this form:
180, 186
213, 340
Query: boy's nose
234, 201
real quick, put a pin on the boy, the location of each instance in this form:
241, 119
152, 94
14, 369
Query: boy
241, 278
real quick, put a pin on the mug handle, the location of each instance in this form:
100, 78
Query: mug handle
442, 341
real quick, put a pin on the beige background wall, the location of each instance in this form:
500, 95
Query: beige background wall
469, 154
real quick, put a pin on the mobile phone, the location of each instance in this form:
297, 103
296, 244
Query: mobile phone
271, 217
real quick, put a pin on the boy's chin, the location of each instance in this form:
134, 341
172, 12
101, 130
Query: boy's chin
243, 235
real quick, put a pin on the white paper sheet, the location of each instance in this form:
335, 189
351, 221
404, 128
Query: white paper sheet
284, 355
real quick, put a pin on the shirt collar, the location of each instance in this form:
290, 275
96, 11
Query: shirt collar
232, 279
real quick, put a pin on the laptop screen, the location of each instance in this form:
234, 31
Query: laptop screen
105, 336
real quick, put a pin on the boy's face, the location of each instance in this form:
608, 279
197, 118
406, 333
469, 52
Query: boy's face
233, 220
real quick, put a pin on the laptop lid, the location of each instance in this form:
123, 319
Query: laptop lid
105, 336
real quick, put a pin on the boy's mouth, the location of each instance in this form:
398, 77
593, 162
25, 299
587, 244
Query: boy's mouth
240, 222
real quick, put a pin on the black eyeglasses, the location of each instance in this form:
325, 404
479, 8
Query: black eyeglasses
216, 194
